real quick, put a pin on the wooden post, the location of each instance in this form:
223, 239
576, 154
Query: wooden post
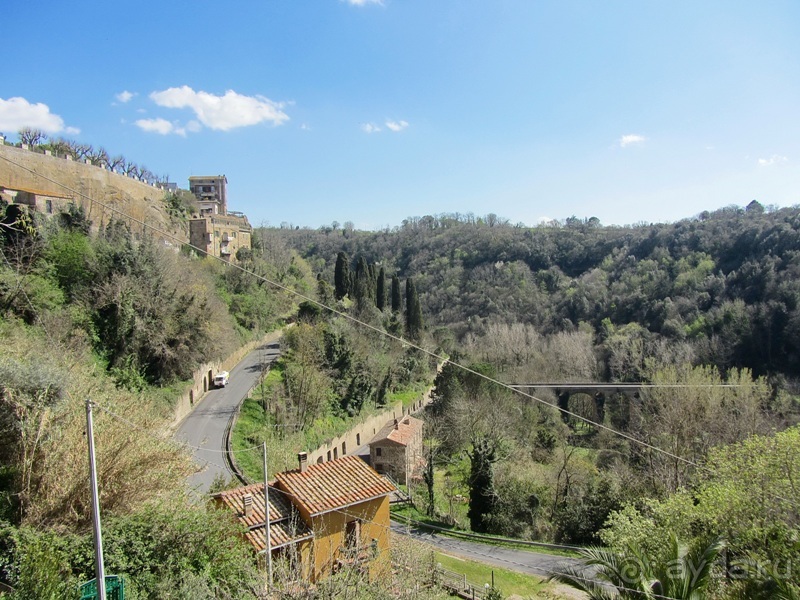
268, 540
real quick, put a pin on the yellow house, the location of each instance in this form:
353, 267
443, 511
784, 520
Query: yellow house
289, 535
343, 507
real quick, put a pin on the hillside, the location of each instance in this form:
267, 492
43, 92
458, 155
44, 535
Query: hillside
97, 190
92, 307
723, 284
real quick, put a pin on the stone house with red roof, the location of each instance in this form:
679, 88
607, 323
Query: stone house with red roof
325, 516
396, 450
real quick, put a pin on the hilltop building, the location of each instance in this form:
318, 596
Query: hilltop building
211, 192
215, 231
48, 183
220, 235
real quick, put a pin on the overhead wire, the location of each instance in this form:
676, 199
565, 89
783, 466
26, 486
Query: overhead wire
406, 343
439, 358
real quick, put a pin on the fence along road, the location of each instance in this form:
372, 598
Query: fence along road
206, 426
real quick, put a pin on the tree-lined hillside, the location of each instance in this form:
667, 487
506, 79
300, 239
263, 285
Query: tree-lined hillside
704, 310
100, 313
723, 283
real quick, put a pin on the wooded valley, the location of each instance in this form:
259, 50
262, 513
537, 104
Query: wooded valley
705, 311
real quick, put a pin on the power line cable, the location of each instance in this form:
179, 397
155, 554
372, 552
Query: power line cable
378, 330
408, 343
439, 358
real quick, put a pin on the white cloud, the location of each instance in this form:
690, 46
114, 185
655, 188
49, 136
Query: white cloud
164, 127
124, 96
775, 159
160, 126
363, 2
370, 128
631, 138
222, 113
16, 113
397, 125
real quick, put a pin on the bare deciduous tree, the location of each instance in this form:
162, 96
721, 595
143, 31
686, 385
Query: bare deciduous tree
31, 137
80, 151
114, 162
60, 147
99, 157
689, 420
130, 168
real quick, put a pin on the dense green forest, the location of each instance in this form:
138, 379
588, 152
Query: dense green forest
704, 310
722, 285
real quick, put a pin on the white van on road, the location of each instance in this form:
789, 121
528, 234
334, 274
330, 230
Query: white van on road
221, 379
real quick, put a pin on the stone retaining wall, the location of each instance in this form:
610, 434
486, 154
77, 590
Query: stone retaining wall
362, 434
204, 376
96, 189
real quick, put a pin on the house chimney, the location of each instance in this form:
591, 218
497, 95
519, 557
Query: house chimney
302, 457
247, 500
396, 426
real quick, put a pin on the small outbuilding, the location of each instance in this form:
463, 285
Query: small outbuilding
396, 450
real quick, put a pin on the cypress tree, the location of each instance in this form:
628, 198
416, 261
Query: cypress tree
341, 276
413, 311
397, 299
363, 289
380, 296
482, 495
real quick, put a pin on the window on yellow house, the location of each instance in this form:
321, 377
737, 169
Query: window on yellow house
352, 535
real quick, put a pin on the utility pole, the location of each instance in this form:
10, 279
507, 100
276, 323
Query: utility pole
100, 573
268, 545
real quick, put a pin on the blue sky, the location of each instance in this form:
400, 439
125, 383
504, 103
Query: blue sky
334, 110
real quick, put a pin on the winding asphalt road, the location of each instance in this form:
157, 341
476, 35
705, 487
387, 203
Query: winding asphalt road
205, 428
514, 559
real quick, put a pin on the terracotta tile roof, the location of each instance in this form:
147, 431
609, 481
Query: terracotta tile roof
401, 433
286, 526
281, 534
333, 485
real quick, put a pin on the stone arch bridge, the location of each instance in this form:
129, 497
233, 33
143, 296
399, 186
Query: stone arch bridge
596, 391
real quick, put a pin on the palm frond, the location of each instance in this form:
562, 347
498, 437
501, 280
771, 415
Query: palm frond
577, 578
